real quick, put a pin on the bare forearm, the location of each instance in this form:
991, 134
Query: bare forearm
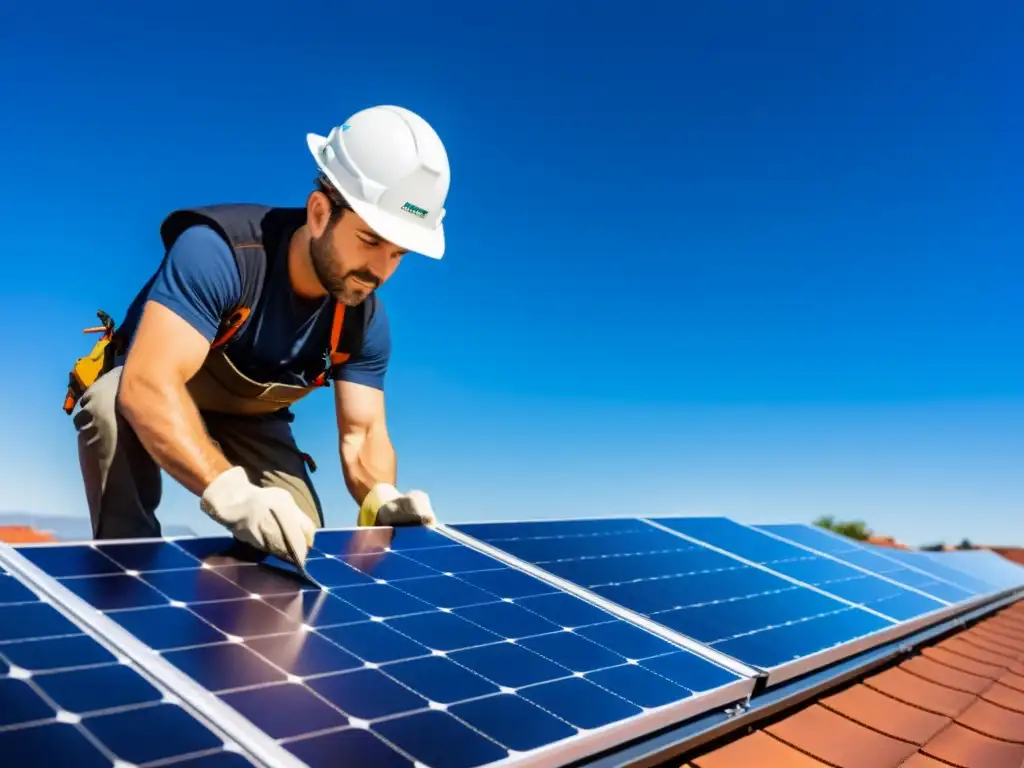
367, 460
168, 425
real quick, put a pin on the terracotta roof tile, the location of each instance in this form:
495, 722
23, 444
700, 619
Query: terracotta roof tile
885, 714
758, 749
971, 647
923, 761
23, 534
839, 741
964, 664
1004, 631
957, 679
957, 703
1005, 697
1012, 680
1009, 625
965, 748
994, 720
987, 640
921, 693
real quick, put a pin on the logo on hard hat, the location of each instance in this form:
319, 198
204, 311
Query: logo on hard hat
414, 210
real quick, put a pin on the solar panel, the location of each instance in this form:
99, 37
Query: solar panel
852, 553
951, 575
981, 564
866, 589
738, 608
67, 699
417, 649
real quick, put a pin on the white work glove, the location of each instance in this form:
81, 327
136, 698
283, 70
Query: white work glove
386, 505
265, 518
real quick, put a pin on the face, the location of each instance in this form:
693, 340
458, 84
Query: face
350, 259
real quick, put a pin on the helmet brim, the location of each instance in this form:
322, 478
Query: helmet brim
391, 227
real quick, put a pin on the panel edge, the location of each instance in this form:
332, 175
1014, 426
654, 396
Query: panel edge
255, 743
707, 653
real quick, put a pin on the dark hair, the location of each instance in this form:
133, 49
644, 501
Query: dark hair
338, 203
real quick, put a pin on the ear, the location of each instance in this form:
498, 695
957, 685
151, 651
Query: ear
318, 212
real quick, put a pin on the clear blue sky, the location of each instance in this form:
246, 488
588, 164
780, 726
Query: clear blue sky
742, 258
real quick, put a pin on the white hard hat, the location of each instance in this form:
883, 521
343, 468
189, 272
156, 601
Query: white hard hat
391, 167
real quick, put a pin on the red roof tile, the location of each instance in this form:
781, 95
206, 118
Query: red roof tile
886, 715
1005, 697
965, 748
1013, 681
993, 720
758, 749
839, 741
929, 696
23, 534
958, 702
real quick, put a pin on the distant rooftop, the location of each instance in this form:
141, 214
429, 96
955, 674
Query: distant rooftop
26, 527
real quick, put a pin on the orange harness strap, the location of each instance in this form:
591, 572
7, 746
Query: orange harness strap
234, 323
337, 323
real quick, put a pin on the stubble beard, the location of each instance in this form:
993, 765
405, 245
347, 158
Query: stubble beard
331, 277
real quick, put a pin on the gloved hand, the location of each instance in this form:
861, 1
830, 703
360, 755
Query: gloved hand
385, 505
265, 518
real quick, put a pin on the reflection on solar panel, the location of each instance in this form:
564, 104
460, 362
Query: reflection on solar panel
743, 610
921, 562
983, 564
858, 586
65, 699
525, 644
870, 560
420, 649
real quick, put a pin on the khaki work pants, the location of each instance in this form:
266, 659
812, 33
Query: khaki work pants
123, 483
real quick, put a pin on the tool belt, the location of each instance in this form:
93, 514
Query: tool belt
90, 367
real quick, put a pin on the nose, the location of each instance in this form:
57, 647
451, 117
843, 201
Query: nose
385, 262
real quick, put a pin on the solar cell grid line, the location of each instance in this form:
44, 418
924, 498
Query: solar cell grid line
637, 618
850, 552
848, 582
185, 720
66, 698
420, 649
746, 611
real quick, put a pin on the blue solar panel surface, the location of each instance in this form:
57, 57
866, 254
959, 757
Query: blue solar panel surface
420, 649
850, 552
983, 564
965, 578
844, 581
746, 612
65, 699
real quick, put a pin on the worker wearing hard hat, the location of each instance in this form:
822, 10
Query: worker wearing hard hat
251, 309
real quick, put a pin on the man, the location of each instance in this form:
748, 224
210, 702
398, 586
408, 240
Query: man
252, 309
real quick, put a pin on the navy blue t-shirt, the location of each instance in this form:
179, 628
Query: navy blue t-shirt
199, 282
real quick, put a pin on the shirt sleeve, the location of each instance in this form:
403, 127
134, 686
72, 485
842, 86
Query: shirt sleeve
370, 364
198, 280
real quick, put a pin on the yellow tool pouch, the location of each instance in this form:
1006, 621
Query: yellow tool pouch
89, 368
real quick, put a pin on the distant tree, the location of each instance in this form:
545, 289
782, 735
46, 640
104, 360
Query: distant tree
933, 547
852, 529
965, 544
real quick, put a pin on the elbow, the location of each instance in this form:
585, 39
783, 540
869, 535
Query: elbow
136, 396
